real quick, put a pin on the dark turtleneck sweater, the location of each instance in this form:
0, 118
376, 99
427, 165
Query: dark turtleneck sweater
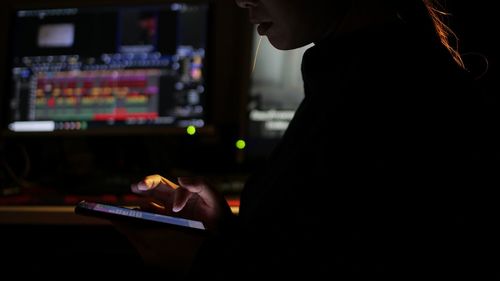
381, 173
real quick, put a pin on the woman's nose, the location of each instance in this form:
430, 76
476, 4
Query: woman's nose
246, 3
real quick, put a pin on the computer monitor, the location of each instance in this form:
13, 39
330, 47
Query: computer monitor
108, 68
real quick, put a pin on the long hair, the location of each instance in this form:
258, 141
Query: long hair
446, 35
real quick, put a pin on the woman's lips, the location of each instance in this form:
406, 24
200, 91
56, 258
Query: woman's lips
264, 27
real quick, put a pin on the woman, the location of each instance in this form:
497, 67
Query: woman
370, 178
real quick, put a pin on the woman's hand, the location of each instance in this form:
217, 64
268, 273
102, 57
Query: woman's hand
164, 247
193, 198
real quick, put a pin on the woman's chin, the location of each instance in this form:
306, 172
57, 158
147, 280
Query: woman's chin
284, 45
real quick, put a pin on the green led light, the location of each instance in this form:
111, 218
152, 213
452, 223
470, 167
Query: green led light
241, 144
191, 130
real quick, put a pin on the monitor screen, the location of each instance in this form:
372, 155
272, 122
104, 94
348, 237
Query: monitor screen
106, 67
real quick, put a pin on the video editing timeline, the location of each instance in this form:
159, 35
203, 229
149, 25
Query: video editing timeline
97, 95
143, 66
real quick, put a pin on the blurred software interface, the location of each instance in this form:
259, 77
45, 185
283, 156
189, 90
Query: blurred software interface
104, 67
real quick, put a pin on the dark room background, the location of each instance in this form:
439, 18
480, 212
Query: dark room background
60, 169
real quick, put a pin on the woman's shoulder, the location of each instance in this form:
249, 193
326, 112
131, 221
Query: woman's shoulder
396, 49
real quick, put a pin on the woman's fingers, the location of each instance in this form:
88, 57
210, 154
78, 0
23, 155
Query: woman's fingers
181, 197
200, 187
147, 184
153, 181
175, 198
139, 187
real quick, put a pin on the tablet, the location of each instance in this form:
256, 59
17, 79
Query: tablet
123, 213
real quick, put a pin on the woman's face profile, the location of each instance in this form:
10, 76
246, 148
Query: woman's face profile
291, 24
